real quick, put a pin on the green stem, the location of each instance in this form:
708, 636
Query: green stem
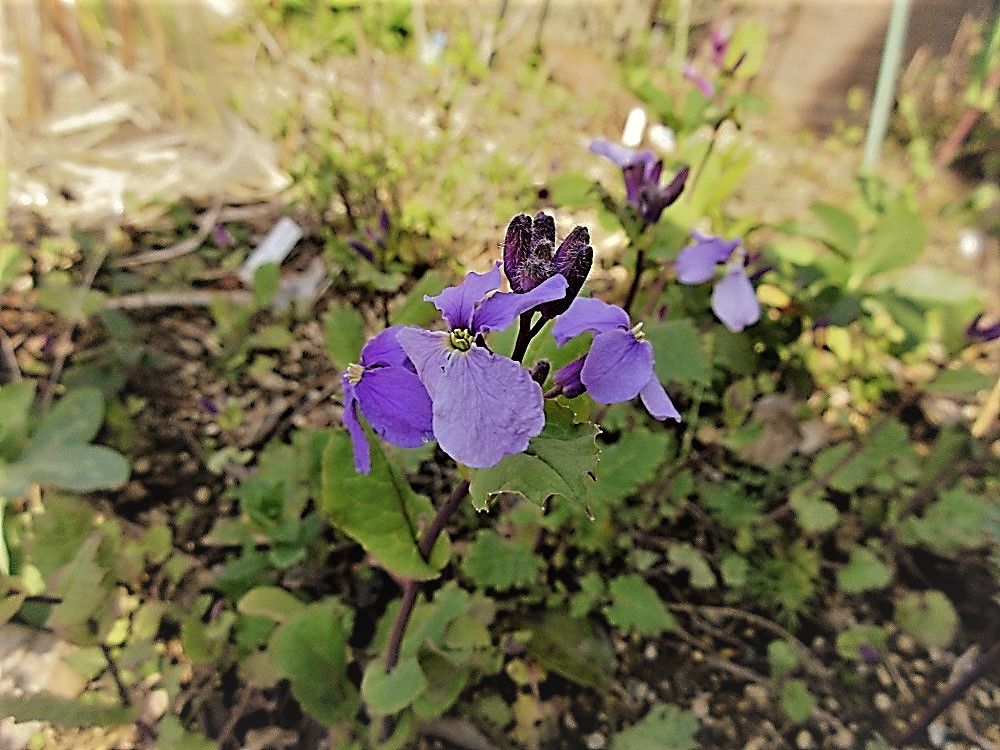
525, 333
640, 261
681, 32
878, 122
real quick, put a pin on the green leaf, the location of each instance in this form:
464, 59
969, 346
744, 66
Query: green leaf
12, 262
445, 683
559, 462
415, 311
814, 514
680, 356
501, 564
850, 642
628, 464
960, 380
390, 693
271, 602
81, 586
956, 520
310, 649
840, 230
863, 572
796, 701
378, 510
75, 418
343, 334
265, 282
86, 711
933, 286
15, 406
665, 727
734, 569
635, 605
781, 657
928, 616
897, 241
573, 648
685, 556
570, 189
842, 473
77, 468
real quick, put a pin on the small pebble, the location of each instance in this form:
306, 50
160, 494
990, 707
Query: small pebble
883, 676
804, 740
570, 722
982, 697
650, 653
697, 656
883, 702
699, 706
832, 704
843, 739
906, 644
757, 743
596, 741
202, 494
757, 694
937, 733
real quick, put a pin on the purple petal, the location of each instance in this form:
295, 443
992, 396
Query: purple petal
734, 301
635, 181
428, 350
981, 333
701, 83
588, 314
696, 263
397, 406
657, 402
359, 441
568, 378
384, 350
502, 309
516, 245
485, 406
618, 154
617, 366
457, 303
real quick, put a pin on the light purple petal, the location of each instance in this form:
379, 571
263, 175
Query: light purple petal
485, 406
617, 366
588, 314
657, 402
457, 303
428, 350
397, 406
502, 309
359, 441
696, 263
618, 154
705, 86
734, 301
383, 349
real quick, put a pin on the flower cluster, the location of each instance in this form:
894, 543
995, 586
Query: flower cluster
413, 385
642, 171
734, 301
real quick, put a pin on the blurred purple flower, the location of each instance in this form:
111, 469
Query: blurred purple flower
385, 388
734, 301
642, 171
868, 653
705, 86
619, 365
221, 236
530, 257
982, 334
719, 38
484, 406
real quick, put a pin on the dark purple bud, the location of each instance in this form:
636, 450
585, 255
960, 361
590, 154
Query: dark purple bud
384, 225
516, 245
720, 45
757, 273
573, 260
653, 199
543, 229
868, 653
568, 378
982, 334
362, 249
208, 406
221, 236
540, 371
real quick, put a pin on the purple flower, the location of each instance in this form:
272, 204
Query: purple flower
530, 257
484, 406
982, 334
619, 365
705, 86
734, 301
719, 39
386, 390
642, 171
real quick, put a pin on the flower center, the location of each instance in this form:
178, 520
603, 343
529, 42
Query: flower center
637, 331
354, 373
461, 339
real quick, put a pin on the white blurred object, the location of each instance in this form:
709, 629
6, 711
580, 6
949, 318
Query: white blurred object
663, 138
300, 287
432, 50
635, 126
274, 248
970, 243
